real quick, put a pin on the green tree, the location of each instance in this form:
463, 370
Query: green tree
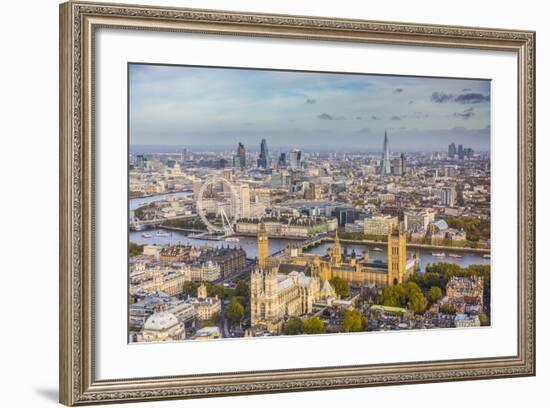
475, 228
408, 296
242, 289
215, 318
234, 312
190, 288
294, 326
394, 296
415, 298
314, 325
216, 290
135, 249
484, 320
434, 294
354, 321
341, 287
447, 309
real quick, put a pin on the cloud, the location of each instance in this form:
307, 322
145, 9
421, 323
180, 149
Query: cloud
472, 98
441, 97
463, 98
398, 90
364, 130
466, 114
310, 101
395, 117
326, 116
462, 130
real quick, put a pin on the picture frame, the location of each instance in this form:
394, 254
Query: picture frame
79, 22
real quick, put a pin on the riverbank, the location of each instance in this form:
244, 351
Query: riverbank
418, 246
380, 243
178, 229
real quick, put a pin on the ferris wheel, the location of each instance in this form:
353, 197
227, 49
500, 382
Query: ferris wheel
224, 205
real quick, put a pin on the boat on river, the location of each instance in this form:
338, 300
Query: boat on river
232, 239
439, 254
376, 249
162, 234
455, 256
147, 235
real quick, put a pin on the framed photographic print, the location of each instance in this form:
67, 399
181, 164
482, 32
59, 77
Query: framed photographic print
258, 203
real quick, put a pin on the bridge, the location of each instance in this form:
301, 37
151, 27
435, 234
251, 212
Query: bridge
307, 244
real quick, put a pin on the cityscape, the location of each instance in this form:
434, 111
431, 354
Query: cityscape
260, 233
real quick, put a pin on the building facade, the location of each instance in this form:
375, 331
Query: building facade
275, 296
379, 224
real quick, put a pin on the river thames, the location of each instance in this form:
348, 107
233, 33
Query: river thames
249, 244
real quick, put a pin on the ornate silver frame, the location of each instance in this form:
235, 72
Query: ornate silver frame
78, 22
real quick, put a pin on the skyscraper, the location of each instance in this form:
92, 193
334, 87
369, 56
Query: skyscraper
241, 154
385, 169
399, 164
263, 161
461, 152
448, 196
452, 150
295, 158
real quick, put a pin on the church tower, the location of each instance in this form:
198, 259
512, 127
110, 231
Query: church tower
263, 246
397, 255
264, 297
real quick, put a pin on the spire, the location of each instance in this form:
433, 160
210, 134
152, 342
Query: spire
385, 169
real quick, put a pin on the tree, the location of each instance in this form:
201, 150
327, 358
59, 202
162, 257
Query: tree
234, 312
190, 288
354, 321
294, 326
407, 296
341, 287
434, 294
216, 290
447, 309
484, 320
394, 296
415, 298
215, 318
242, 289
135, 249
314, 325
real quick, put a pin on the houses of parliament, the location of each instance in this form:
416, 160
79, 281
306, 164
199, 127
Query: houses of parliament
291, 283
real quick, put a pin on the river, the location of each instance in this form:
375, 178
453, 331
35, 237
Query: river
249, 244
141, 201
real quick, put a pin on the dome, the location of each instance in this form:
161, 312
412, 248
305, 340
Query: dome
160, 321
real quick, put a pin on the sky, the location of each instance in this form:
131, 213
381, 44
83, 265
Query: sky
197, 106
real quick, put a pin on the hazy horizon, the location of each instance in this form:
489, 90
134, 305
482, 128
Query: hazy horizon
196, 107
